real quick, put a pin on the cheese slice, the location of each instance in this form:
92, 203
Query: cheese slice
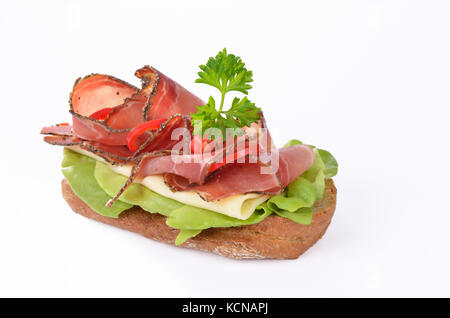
240, 206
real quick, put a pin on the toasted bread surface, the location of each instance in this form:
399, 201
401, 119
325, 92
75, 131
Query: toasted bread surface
275, 237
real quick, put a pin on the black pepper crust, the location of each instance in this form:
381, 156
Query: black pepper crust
150, 80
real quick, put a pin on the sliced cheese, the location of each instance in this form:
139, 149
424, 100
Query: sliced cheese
239, 206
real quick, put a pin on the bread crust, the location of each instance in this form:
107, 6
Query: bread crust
274, 238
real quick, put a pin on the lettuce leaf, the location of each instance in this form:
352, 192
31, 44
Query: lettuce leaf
179, 215
185, 235
301, 216
298, 199
331, 165
193, 218
292, 142
95, 183
189, 219
136, 194
79, 172
295, 203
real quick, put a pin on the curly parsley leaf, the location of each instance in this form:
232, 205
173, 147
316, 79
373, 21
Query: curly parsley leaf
205, 117
227, 73
242, 113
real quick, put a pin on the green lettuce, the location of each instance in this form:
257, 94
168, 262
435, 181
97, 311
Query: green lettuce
189, 219
193, 218
79, 172
301, 216
136, 194
95, 183
298, 199
331, 165
185, 235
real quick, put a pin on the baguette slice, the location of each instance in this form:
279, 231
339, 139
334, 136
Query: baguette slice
275, 237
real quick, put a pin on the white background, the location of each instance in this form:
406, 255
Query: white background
367, 80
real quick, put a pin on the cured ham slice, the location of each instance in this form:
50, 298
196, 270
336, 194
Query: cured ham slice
111, 154
62, 140
293, 161
60, 130
110, 117
156, 143
160, 97
163, 138
98, 91
195, 168
238, 178
234, 178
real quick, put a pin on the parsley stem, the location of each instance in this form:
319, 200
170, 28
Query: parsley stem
221, 102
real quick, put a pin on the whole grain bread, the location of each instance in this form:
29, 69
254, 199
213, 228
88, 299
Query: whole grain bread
275, 237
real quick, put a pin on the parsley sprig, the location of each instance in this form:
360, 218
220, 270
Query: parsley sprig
227, 73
